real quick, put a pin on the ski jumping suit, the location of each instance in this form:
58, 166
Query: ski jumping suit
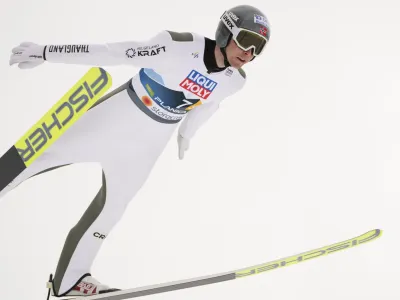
127, 129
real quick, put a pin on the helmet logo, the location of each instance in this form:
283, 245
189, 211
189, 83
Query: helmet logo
263, 31
261, 20
228, 22
233, 16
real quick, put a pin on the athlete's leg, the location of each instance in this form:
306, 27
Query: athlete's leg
62, 152
120, 184
43, 164
129, 146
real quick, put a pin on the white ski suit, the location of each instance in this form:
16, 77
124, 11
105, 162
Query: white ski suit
129, 128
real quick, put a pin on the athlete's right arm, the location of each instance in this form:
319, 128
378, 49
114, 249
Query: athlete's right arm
150, 53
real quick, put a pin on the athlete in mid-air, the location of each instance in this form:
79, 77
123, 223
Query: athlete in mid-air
182, 77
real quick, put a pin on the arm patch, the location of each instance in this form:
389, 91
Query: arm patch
181, 36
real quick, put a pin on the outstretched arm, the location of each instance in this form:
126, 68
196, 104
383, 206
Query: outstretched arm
150, 53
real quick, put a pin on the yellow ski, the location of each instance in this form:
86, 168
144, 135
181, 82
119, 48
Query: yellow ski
216, 278
53, 124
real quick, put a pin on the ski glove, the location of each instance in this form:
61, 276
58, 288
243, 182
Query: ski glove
27, 55
183, 145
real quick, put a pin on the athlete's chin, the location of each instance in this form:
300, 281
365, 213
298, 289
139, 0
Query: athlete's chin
237, 64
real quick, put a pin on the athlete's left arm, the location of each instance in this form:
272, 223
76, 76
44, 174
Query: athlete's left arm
192, 122
202, 113
196, 118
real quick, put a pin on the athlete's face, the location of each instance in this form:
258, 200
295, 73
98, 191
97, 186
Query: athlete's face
236, 56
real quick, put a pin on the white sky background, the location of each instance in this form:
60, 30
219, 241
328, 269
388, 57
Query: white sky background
306, 155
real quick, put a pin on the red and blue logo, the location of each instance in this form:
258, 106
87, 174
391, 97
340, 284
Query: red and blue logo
198, 84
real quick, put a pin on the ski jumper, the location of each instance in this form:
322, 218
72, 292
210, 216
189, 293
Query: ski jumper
179, 82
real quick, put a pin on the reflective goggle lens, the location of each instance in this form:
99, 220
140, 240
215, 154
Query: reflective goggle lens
246, 39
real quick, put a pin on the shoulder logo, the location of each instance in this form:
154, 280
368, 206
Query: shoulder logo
131, 52
145, 51
229, 72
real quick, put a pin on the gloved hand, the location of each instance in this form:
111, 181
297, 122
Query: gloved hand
27, 55
183, 145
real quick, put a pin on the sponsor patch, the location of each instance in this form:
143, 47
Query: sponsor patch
168, 105
68, 48
148, 47
198, 84
260, 20
233, 16
130, 52
145, 51
228, 22
164, 114
263, 31
35, 56
229, 72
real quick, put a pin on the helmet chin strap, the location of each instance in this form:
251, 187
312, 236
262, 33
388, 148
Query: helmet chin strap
223, 50
226, 62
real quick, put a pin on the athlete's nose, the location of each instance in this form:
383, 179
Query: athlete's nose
248, 52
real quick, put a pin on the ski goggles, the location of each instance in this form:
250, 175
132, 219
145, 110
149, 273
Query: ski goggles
244, 38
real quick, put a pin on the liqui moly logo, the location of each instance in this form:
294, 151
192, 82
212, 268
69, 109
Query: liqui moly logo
198, 84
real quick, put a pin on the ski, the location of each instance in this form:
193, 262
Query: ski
242, 273
84, 94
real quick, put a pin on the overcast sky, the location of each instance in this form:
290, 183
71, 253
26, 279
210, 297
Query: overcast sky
307, 154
